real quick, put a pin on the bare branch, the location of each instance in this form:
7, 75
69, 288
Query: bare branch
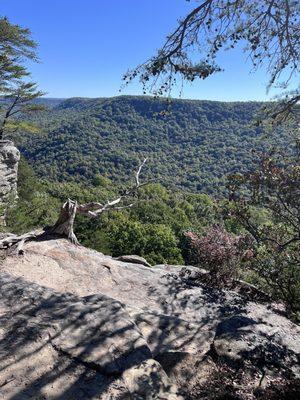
64, 225
94, 209
65, 222
10, 240
139, 171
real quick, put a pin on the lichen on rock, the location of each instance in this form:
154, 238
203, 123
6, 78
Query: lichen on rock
9, 160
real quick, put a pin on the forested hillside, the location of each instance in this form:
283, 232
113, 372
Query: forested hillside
193, 145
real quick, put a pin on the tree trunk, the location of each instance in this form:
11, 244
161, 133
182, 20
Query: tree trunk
64, 226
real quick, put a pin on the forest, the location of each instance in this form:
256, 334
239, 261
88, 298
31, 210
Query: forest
203, 158
252, 239
191, 145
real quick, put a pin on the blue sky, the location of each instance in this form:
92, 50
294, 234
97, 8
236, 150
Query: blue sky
85, 47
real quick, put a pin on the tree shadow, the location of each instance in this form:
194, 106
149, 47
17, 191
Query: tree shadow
91, 343
203, 311
196, 301
88, 343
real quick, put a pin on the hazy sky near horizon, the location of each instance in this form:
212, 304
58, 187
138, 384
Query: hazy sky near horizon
85, 47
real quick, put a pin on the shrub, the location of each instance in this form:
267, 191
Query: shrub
274, 189
220, 252
156, 242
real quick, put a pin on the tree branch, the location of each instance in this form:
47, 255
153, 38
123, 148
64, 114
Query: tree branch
65, 223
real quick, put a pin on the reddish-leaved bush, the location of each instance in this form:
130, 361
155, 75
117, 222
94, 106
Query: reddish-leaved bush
220, 252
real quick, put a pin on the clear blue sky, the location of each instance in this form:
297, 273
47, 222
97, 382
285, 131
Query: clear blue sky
85, 46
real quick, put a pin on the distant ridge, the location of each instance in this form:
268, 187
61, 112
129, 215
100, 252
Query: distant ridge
192, 144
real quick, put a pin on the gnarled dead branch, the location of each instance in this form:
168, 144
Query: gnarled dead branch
16, 242
65, 223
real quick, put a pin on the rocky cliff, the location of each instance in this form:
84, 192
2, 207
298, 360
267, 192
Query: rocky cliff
9, 159
76, 324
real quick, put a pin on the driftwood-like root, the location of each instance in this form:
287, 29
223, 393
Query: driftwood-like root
15, 243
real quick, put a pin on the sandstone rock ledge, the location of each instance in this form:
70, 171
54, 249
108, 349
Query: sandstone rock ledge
75, 324
9, 159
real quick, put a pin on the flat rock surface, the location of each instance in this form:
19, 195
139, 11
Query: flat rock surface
134, 328
55, 345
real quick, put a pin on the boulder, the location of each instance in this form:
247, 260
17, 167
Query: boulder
244, 339
74, 348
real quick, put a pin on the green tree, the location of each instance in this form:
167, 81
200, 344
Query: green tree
156, 242
162, 245
16, 47
35, 207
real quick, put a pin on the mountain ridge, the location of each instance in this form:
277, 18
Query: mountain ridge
193, 145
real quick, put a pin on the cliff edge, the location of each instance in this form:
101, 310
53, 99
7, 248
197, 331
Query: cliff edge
76, 324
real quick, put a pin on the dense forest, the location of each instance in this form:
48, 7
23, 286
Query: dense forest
192, 145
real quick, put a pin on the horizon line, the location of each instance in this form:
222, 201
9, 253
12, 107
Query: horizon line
155, 98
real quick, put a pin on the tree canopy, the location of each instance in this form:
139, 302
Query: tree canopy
269, 30
16, 90
193, 147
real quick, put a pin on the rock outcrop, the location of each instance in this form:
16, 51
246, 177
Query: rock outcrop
134, 260
75, 324
9, 159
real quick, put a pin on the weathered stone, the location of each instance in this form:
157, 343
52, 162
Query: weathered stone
9, 159
99, 332
134, 260
250, 291
193, 274
54, 336
149, 381
248, 339
141, 324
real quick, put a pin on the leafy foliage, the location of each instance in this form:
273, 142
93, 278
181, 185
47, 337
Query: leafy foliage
275, 186
157, 227
193, 147
267, 29
16, 47
156, 242
35, 206
219, 251
152, 229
